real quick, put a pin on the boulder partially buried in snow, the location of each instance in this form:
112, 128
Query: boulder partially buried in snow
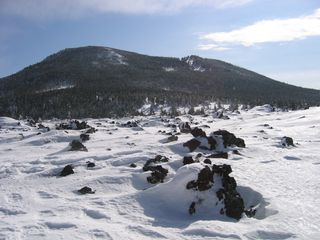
192, 144
132, 124
206, 191
230, 139
287, 141
76, 145
198, 132
84, 137
67, 170
73, 125
184, 127
86, 190
217, 141
188, 160
158, 173
204, 143
172, 138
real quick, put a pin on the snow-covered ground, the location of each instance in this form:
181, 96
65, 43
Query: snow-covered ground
36, 204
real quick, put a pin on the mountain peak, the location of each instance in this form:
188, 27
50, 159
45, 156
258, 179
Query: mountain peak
100, 81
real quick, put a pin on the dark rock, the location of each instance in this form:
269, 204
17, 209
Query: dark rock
130, 124
287, 141
230, 139
192, 184
229, 183
198, 132
239, 142
192, 208
67, 170
219, 155
187, 160
73, 125
160, 158
172, 138
220, 194
234, 205
184, 127
218, 114
91, 130
251, 212
233, 202
77, 146
212, 142
133, 165
31, 122
86, 190
154, 168
205, 179
236, 152
42, 127
157, 175
91, 164
171, 125
222, 211
84, 137
207, 161
222, 170
192, 144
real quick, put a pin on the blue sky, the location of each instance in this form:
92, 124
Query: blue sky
279, 39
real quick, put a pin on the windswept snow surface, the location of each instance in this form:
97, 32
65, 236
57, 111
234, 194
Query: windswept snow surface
36, 204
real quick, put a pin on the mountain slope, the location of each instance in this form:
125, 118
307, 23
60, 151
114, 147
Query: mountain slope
100, 81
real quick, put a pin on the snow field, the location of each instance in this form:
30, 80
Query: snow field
283, 182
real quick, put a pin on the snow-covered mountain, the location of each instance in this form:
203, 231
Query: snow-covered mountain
105, 82
279, 184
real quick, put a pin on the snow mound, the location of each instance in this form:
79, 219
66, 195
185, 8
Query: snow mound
192, 190
265, 108
8, 122
175, 199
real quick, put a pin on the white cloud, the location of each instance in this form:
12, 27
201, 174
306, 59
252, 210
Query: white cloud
211, 46
74, 8
268, 31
